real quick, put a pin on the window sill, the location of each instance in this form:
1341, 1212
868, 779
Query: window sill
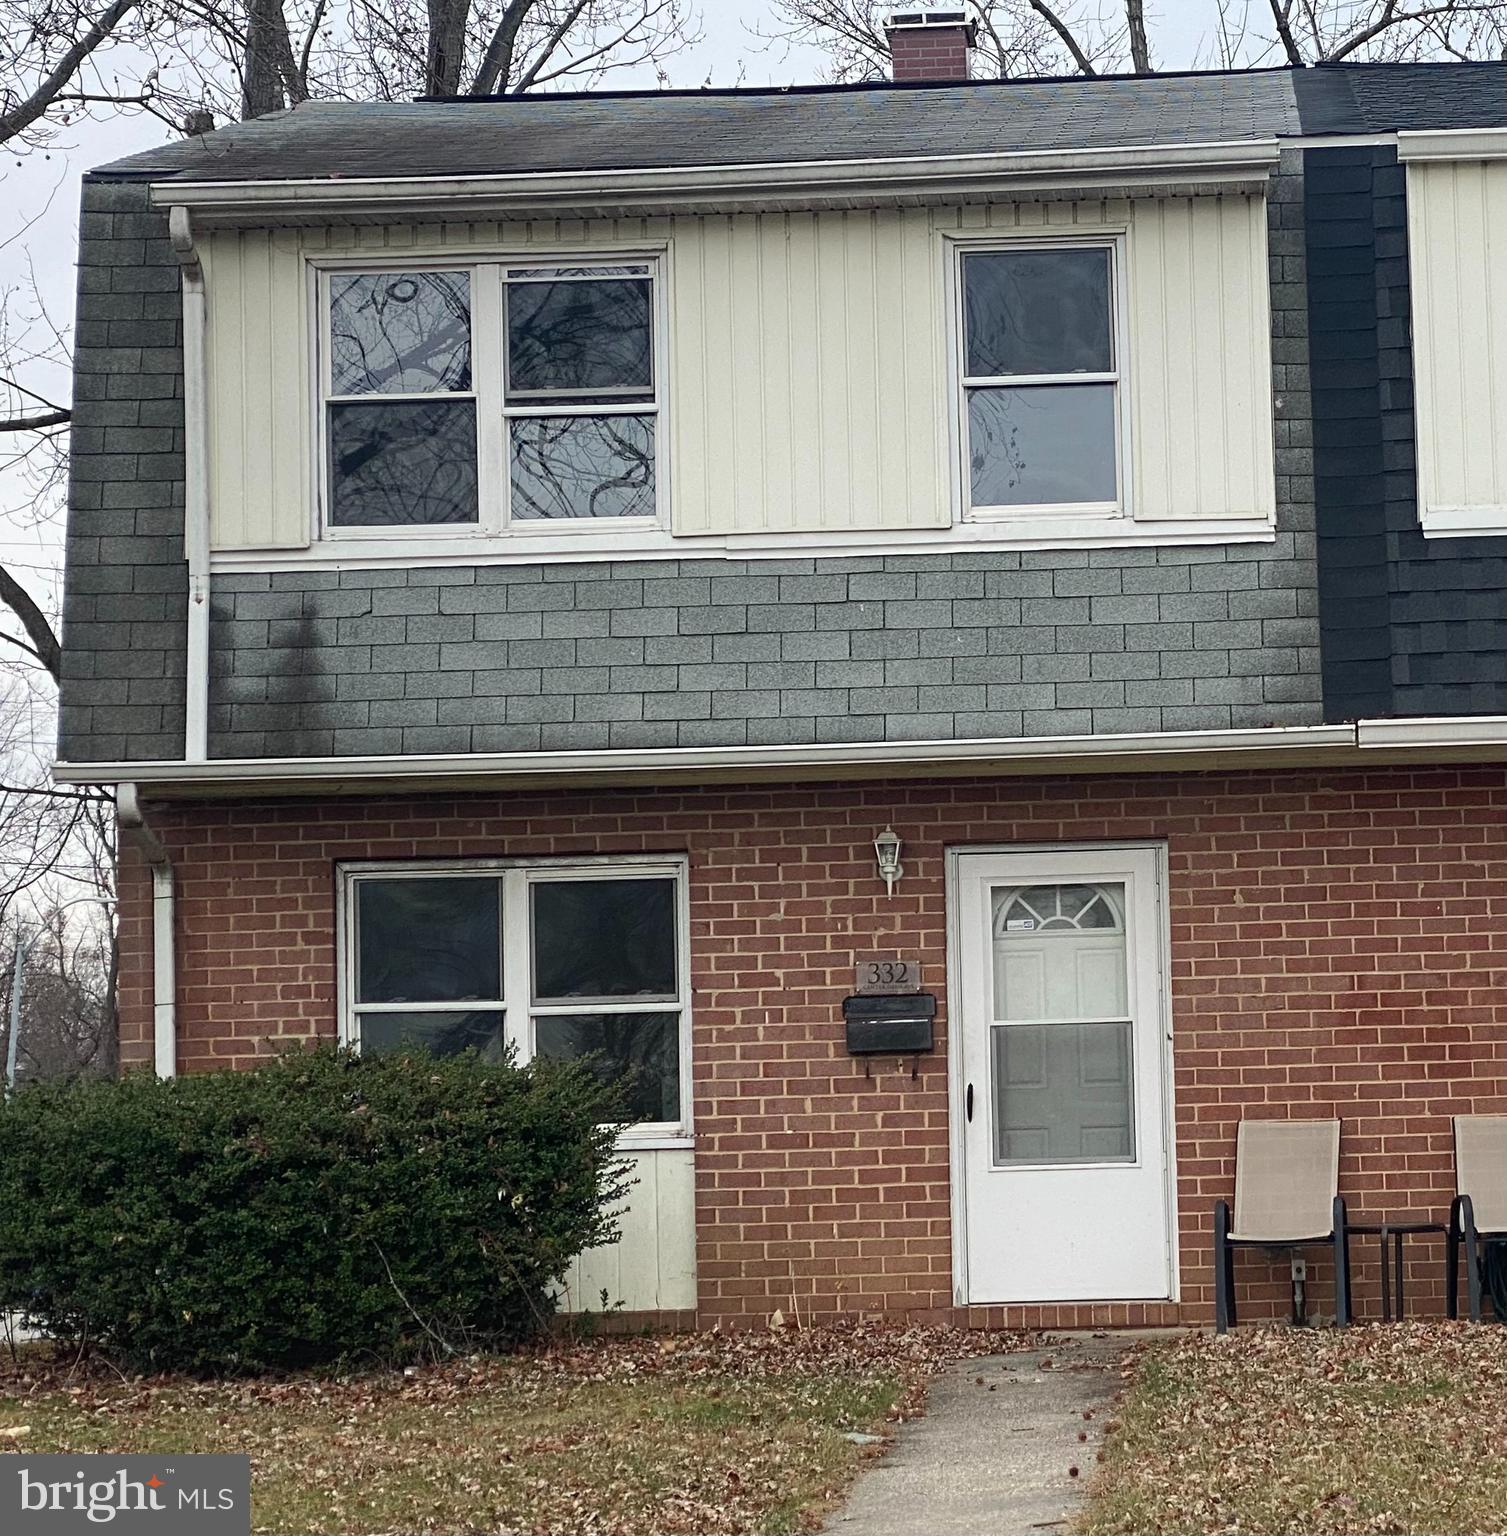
631, 1141
1464, 522
984, 535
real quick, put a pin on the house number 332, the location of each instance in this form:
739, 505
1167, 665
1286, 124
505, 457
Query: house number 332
887, 973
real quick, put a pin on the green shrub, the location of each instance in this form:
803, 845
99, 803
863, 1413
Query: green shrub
324, 1207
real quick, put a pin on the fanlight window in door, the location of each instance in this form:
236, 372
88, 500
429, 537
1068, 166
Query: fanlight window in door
1060, 1037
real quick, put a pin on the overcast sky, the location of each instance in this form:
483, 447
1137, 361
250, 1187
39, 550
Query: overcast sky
40, 193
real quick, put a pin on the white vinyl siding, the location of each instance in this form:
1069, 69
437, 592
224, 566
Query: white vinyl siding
1457, 246
1199, 359
261, 399
652, 1266
807, 374
806, 387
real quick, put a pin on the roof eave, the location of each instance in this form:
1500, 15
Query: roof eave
1451, 144
1171, 169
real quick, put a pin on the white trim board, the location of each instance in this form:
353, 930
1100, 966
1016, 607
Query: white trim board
1464, 522
1452, 144
592, 544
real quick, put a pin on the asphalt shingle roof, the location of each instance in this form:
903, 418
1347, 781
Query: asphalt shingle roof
620, 130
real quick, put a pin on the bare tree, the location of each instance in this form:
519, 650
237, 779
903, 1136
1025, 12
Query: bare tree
67, 1003
1016, 37
188, 61
1088, 37
259, 56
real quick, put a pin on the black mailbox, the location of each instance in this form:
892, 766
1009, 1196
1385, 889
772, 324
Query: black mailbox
889, 1026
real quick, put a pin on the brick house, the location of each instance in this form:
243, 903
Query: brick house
523, 553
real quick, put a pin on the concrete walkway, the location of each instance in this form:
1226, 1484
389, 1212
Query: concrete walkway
993, 1459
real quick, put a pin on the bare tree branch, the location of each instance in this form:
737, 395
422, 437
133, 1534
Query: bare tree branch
1060, 27
1284, 31
36, 423
497, 62
20, 117
1135, 22
34, 622
556, 37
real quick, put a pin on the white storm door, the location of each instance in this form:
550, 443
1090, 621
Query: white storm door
1062, 1091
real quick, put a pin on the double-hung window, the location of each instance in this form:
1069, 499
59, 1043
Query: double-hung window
557, 960
1040, 377
488, 398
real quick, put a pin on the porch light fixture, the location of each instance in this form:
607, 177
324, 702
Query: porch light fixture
887, 851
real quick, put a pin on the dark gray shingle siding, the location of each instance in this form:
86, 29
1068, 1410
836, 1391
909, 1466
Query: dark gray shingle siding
125, 592
701, 653
1411, 626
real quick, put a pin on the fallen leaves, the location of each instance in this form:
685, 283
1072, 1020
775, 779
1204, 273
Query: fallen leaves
717, 1434
1334, 1432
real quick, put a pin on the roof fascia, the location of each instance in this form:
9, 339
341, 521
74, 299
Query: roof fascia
1453, 144
1178, 168
1144, 751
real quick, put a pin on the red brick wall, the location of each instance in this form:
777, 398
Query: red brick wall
1338, 943
929, 53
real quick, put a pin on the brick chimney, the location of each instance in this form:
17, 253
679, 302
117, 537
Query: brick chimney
931, 43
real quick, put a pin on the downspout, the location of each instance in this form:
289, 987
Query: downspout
195, 485
133, 824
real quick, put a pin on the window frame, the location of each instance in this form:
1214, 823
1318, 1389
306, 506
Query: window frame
961, 384
517, 877
488, 277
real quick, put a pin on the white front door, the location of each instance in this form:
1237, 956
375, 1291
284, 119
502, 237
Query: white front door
1062, 1083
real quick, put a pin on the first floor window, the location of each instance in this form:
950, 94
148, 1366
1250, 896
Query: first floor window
1040, 377
428, 374
559, 961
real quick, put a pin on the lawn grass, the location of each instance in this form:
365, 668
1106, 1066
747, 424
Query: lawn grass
1331, 1432
703, 1434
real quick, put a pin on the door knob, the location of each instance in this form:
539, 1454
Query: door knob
968, 1103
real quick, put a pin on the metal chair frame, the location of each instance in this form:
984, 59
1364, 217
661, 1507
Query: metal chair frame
1224, 1265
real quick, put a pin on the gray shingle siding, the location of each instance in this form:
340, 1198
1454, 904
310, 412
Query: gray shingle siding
125, 596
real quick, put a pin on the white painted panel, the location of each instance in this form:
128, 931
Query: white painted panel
805, 391
652, 1266
260, 404
1199, 363
1457, 244
807, 383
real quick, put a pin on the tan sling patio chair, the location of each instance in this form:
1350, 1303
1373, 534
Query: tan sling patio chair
1286, 1196
1479, 1209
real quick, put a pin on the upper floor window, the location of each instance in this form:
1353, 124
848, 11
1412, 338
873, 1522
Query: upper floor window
1040, 378
436, 378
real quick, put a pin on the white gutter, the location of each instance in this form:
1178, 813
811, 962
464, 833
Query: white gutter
133, 824
1086, 754
1214, 166
1435, 731
1472, 738
1452, 144
195, 484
